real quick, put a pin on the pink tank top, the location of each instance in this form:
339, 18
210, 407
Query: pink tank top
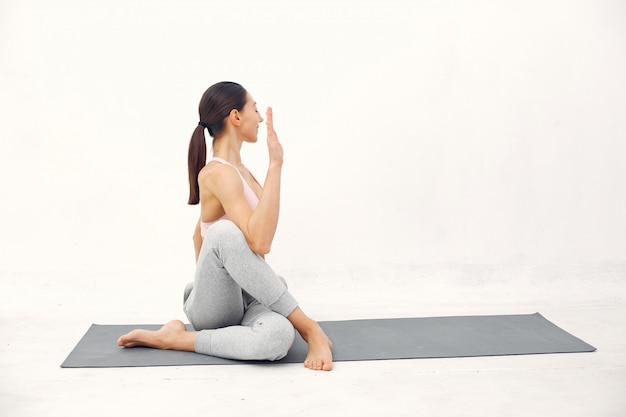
252, 199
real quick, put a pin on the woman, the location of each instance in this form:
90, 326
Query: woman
239, 308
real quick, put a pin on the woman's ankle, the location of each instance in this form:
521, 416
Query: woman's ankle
305, 325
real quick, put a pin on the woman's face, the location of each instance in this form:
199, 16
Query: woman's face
250, 119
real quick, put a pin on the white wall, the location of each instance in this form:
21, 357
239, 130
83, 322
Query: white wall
415, 132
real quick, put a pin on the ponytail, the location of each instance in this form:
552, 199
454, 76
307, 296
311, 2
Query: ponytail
196, 161
215, 105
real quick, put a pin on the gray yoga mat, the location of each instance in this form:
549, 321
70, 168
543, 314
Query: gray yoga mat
357, 340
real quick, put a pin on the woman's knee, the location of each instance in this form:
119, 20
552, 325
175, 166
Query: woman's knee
225, 232
279, 336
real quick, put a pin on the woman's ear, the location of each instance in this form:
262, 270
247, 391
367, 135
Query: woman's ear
234, 117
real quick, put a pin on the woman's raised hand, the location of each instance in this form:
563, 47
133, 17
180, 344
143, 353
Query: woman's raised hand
274, 147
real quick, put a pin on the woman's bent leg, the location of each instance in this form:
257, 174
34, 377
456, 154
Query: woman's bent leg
227, 243
226, 263
215, 300
262, 335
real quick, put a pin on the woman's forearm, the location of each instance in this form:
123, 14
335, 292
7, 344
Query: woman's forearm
264, 220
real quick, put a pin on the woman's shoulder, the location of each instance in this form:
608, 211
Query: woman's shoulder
211, 168
215, 172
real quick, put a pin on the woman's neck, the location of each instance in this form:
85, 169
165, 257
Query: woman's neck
228, 149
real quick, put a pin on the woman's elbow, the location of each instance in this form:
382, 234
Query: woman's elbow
260, 248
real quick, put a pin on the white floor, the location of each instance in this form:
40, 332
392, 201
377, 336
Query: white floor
42, 318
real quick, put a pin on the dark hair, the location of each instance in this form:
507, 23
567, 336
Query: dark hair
215, 105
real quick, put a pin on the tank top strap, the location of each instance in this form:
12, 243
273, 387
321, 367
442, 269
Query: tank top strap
225, 162
222, 161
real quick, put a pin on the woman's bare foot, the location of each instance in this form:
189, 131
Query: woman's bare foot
320, 355
173, 335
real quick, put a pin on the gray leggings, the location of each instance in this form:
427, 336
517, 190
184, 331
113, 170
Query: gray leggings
236, 302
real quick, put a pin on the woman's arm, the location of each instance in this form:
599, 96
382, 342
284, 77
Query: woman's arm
259, 225
264, 220
197, 240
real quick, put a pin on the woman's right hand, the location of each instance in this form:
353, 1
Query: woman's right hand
274, 147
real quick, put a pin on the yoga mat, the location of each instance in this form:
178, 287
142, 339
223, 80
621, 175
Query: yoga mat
357, 340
